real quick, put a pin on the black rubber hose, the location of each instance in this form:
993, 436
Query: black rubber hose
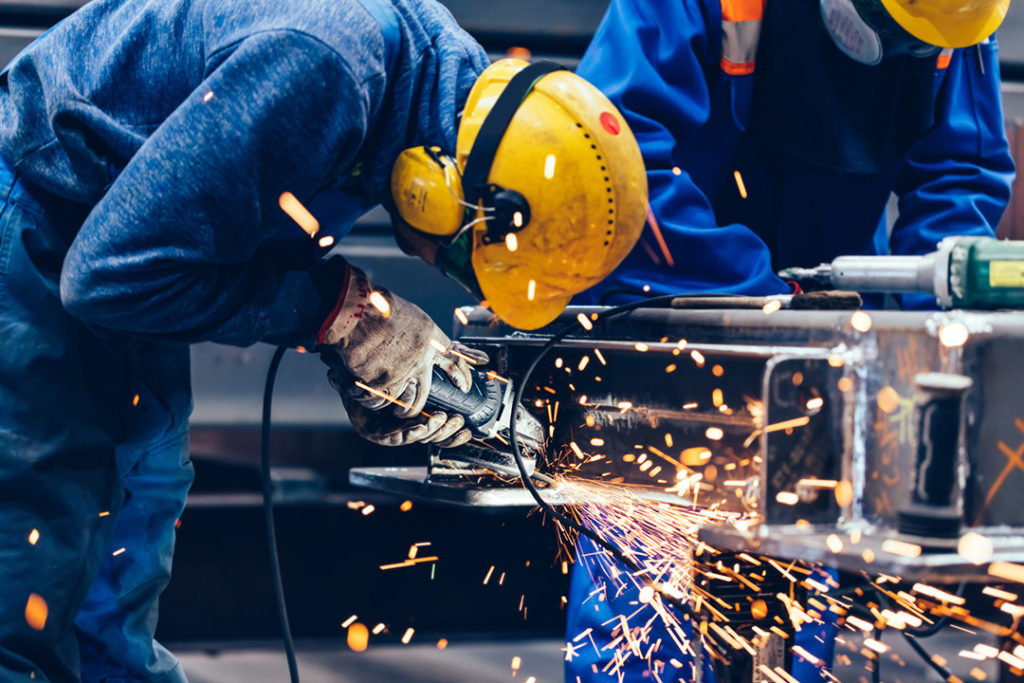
268, 516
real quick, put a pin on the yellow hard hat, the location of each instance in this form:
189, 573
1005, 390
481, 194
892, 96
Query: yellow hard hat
948, 23
545, 196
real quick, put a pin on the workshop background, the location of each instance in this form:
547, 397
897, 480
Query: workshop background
495, 592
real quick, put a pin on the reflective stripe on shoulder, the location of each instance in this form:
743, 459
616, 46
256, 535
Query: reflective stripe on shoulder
944, 57
742, 10
739, 44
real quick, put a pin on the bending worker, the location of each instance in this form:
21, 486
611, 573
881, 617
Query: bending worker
152, 158
773, 133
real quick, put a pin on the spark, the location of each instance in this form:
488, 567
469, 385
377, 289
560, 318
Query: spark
953, 335
135, 400
670, 368
461, 315
999, 594
381, 304
739, 184
597, 442
549, 166
348, 622
597, 353
407, 636
516, 663
1007, 570
358, 637
697, 357
787, 498
405, 506
834, 543
409, 562
815, 403
442, 644
583, 363
105, 513
891, 545
387, 397
511, 241
325, 241
860, 321
975, 548
489, 573
117, 552
299, 213
641, 347
36, 611
772, 306
714, 433
653, 222
844, 493
208, 96
378, 629
33, 537
368, 510
818, 483
531, 289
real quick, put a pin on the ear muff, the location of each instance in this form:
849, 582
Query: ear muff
427, 191
511, 211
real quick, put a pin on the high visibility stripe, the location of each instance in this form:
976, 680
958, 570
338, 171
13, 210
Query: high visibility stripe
742, 10
944, 57
739, 45
733, 69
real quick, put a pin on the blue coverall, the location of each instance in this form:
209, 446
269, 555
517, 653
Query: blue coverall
144, 145
659, 62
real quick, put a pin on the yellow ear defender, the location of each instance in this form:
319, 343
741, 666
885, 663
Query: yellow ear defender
427, 191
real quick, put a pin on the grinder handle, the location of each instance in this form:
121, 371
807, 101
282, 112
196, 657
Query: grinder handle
448, 397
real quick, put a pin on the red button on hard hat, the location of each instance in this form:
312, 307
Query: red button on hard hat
610, 123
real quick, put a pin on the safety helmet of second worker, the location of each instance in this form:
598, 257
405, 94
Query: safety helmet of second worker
869, 30
542, 198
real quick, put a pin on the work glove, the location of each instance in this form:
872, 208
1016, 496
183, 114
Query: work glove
384, 428
391, 346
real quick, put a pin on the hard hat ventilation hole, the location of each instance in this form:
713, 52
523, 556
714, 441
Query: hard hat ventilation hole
607, 180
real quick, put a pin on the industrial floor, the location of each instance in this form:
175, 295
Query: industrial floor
491, 662
483, 662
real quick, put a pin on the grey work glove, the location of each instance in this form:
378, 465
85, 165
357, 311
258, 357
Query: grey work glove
391, 345
384, 428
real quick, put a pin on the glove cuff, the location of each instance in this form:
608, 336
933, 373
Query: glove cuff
348, 311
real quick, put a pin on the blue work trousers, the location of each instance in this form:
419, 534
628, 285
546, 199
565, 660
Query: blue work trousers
94, 471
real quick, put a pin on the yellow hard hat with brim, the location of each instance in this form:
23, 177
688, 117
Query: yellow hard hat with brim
571, 155
948, 23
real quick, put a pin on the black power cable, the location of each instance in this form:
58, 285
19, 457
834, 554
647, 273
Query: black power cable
268, 515
615, 551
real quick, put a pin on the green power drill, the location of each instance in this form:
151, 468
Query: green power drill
963, 272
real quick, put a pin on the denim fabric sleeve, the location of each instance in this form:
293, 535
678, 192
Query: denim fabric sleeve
178, 249
956, 180
649, 59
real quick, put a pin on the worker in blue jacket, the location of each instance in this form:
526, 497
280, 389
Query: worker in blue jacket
774, 133
175, 172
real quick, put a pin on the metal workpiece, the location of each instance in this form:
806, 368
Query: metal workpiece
808, 422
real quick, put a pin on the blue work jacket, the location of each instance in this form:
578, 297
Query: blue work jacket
164, 132
687, 94
662, 64
180, 123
